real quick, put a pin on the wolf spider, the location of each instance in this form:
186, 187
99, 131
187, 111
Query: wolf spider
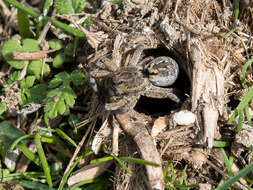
120, 87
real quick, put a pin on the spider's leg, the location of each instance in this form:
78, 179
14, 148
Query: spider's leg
162, 71
123, 105
136, 56
144, 63
115, 105
117, 54
158, 92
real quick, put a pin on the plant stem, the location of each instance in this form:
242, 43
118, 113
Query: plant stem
56, 23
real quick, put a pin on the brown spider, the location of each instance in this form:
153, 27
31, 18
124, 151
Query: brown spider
119, 87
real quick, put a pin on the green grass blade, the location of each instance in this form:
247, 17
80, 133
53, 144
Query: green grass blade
239, 110
245, 100
65, 136
46, 7
121, 163
68, 29
240, 174
165, 169
221, 144
43, 159
236, 9
240, 120
244, 69
172, 172
31, 156
233, 116
23, 24
14, 144
20, 175
227, 162
181, 181
56, 23
138, 161
61, 146
104, 159
169, 187
35, 185
65, 177
247, 114
97, 181
24, 8
228, 33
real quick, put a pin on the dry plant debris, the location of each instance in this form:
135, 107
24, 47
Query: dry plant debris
194, 37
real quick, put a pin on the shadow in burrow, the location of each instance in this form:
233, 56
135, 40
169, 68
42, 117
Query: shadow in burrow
152, 106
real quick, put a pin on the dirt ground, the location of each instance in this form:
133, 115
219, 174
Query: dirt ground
194, 34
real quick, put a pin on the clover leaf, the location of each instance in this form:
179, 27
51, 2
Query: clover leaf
35, 66
61, 96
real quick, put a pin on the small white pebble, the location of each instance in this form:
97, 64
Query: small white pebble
184, 117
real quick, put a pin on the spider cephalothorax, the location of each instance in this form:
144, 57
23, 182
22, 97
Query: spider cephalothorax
120, 87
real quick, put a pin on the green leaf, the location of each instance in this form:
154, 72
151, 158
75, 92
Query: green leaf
61, 107
78, 5
77, 77
59, 60
14, 45
69, 49
73, 120
8, 134
55, 44
54, 92
30, 45
47, 6
64, 6
23, 24
2, 107
51, 107
69, 96
8, 48
29, 81
88, 21
38, 93
65, 77
55, 82
6, 128
35, 68
13, 77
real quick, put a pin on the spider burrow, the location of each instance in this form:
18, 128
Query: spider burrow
120, 87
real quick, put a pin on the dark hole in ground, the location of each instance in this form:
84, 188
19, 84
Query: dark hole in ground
233, 103
163, 106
